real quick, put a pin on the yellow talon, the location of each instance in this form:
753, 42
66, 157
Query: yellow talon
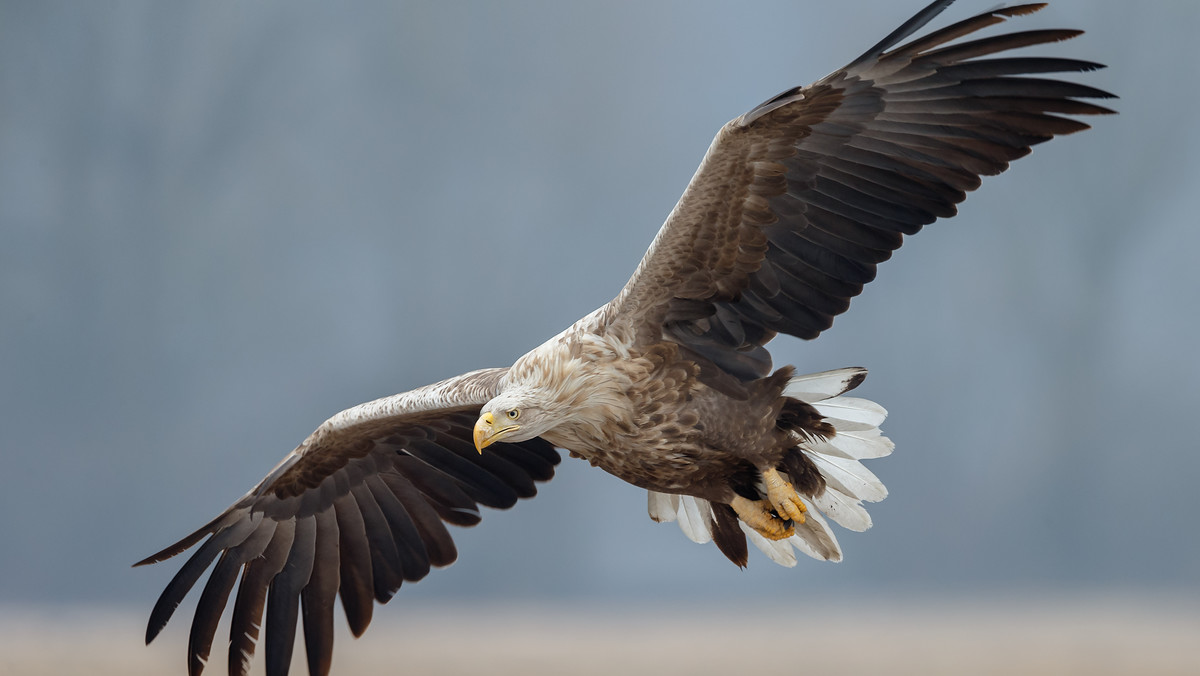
776, 517
783, 497
757, 514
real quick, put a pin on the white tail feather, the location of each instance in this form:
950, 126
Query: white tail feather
843, 509
695, 518
779, 551
852, 409
848, 483
849, 477
662, 506
815, 538
857, 445
815, 387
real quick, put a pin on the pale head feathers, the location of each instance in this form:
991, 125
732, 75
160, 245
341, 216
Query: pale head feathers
570, 383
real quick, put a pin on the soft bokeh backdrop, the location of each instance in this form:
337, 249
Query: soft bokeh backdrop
222, 222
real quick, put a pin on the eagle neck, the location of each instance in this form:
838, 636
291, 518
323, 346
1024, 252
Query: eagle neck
580, 377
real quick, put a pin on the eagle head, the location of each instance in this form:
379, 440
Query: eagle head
512, 416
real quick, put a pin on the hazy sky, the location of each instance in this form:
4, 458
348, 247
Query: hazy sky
221, 223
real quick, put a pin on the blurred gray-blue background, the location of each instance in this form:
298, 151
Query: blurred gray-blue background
222, 222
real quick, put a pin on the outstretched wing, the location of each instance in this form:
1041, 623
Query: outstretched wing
356, 510
799, 199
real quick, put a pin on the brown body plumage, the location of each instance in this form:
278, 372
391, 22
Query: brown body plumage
652, 433
670, 386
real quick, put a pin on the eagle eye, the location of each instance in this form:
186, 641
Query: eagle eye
513, 414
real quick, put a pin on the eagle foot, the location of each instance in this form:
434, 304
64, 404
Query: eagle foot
783, 497
760, 515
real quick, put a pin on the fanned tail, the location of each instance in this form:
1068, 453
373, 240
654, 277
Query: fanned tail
845, 482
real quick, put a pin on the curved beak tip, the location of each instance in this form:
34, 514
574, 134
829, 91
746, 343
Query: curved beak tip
486, 434
483, 435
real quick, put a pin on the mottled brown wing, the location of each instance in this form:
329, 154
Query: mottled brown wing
356, 510
798, 200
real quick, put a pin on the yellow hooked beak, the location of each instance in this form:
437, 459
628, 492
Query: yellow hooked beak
486, 433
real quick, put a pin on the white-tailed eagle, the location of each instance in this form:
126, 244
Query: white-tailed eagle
670, 386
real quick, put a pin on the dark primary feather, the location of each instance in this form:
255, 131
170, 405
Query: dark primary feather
359, 512
283, 602
799, 200
252, 595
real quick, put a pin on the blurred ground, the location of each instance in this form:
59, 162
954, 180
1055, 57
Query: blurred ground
1094, 636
